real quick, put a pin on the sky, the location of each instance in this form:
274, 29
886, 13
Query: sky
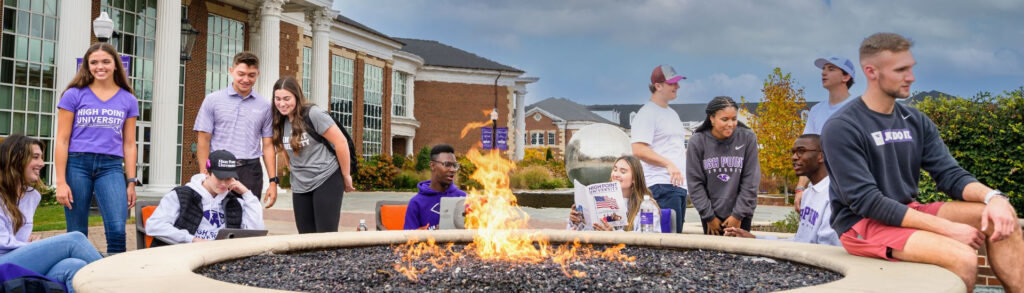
603, 51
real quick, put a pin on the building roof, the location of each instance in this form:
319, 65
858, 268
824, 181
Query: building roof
567, 110
435, 53
349, 21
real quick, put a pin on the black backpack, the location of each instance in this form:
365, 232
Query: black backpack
352, 161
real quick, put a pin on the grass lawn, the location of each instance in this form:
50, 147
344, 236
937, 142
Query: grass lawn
52, 218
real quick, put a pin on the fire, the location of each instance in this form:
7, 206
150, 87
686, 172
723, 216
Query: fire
493, 212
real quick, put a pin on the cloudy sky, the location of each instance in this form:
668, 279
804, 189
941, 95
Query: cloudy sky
602, 51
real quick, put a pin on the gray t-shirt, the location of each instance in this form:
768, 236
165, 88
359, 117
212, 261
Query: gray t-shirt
315, 162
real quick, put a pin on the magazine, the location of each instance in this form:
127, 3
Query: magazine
600, 202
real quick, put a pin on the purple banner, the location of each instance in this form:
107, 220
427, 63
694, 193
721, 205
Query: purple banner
502, 138
485, 137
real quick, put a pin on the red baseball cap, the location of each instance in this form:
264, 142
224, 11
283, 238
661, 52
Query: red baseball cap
666, 74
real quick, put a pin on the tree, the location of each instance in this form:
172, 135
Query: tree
777, 124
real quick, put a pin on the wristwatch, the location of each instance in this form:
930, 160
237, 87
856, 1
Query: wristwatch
994, 193
274, 179
134, 180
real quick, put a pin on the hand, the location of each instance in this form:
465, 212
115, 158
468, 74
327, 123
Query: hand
64, 195
197, 239
271, 197
965, 234
574, 216
349, 187
1003, 217
131, 195
603, 226
732, 221
737, 232
676, 175
238, 187
714, 226
796, 201
34, 237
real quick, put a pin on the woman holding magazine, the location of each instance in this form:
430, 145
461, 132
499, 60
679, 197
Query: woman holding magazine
630, 175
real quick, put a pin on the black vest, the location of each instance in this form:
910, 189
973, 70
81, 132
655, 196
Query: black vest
190, 211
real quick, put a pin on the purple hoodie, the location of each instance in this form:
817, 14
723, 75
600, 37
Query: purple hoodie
425, 208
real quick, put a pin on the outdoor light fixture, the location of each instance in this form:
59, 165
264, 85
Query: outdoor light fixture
188, 39
103, 27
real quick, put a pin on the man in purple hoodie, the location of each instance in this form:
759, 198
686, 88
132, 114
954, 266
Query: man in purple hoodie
424, 209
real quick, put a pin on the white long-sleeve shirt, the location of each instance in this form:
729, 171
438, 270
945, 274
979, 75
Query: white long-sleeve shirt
161, 223
8, 239
815, 217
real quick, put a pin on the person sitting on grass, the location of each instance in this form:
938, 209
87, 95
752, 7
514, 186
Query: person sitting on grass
630, 174
58, 257
816, 209
197, 211
424, 210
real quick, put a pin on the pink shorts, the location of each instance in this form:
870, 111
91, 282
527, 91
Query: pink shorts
871, 238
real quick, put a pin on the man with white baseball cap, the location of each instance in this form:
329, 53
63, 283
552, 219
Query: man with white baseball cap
836, 77
659, 141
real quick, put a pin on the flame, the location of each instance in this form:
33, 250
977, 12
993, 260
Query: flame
493, 212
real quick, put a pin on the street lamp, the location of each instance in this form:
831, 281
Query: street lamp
103, 27
494, 129
188, 38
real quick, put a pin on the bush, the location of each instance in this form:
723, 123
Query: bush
529, 177
407, 179
788, 224
377, 173
49, 196
285, 180
548, 155
985, 135
399, 161
423, 159
462, 177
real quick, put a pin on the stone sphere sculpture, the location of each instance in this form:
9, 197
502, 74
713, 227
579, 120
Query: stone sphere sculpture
592, 151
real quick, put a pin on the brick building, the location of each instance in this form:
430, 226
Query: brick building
369, 81
552, 122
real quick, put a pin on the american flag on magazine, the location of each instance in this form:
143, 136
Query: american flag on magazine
604, 202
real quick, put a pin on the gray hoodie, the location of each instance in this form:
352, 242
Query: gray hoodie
723, 175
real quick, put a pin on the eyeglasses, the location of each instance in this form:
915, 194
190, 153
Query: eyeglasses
451, 165
799, 152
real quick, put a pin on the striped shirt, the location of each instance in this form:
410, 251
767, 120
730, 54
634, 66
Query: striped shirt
237, 123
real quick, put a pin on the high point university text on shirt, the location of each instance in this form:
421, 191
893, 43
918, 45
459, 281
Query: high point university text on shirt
100, 118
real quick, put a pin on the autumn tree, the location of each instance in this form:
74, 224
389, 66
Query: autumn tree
777, 123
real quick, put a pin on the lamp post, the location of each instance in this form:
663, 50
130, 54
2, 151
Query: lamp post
103, 27
494, 129
188, 38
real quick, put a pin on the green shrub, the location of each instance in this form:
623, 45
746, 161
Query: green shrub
49, 196
549, 155
529, 177
285, 178
789, 224
462, 177
423, 159
399, 161
407, 179
552, 184
377, 173
985, 134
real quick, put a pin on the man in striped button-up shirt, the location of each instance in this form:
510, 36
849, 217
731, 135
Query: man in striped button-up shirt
238, 120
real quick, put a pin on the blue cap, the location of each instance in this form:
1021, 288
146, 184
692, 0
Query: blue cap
840, 62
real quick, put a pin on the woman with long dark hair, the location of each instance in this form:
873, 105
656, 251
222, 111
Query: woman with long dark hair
58, 257
95, 145
630, 175
320, 172
722, 171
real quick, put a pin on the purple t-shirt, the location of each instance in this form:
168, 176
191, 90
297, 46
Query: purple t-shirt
98, 125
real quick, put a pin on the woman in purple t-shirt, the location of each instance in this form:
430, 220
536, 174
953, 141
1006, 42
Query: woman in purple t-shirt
95, 145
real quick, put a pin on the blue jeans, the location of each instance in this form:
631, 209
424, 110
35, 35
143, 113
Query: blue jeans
58, 257
672, 197
89, 173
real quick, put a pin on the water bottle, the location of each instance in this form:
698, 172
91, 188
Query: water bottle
362, 225
650, 216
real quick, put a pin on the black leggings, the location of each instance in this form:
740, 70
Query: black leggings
744, 224
319, 210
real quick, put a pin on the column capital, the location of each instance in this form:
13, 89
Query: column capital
253, 20
272, 7
320, 18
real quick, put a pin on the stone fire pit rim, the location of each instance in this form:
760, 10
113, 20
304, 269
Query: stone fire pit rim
171, 268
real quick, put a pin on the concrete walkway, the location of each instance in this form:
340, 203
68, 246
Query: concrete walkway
280, 220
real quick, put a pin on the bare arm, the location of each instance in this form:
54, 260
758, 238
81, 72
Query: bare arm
130, 157
202, 149
336, 138
646, 154
60, 150
270, 162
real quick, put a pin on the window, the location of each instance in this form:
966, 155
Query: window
27, 70
341, 90
224, 38
398, 92
373, 85
307, 68
537, 138
551, 137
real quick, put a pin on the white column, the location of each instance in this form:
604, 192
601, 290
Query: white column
73, 38
408, 145
520, 124
269, 44
254, 32
165, 97
320, 20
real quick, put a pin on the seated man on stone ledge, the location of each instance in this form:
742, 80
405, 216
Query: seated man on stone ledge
197, 211
815, 210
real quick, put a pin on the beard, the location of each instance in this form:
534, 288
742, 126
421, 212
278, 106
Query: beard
894, 93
